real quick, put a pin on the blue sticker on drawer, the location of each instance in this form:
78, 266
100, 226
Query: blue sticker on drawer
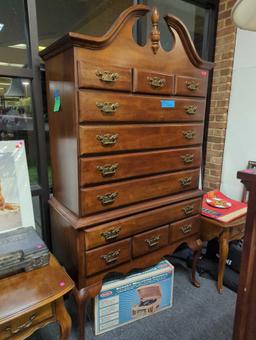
167, 104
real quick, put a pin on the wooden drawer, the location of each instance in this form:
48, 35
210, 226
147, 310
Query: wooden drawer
109, 196
188, 86
115, 167
103, 139
152, 82
99, 106
108, 256
125, 227
24, 322
184, 228
105, 77
151, 240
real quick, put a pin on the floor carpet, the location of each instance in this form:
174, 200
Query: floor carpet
197, 314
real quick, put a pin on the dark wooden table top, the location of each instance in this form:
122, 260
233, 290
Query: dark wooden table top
27, 291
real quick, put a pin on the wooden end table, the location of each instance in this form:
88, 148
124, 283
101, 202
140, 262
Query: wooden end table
225, 232
31, 300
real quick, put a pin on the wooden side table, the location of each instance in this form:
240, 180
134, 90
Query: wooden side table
225, 232
34, 299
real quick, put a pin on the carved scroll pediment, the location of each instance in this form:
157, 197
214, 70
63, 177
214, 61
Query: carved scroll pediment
121, 31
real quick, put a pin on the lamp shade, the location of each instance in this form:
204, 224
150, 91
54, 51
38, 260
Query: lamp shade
16, 89
244, 14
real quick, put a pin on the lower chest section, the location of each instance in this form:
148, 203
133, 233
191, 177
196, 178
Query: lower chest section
109, 245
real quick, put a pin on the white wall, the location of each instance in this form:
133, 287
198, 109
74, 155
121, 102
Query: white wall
240, 144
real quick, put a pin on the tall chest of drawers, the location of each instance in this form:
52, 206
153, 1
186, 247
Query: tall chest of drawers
125, 149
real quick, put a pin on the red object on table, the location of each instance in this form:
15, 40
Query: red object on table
225, 215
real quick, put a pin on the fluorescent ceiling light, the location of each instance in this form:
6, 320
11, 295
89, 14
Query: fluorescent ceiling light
24, 46
25, 83
20, 46
1, 27
40, 48
11, 64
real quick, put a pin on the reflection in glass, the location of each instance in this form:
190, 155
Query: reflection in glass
13, 44
16, 118
37, 214
88, 17
192, 16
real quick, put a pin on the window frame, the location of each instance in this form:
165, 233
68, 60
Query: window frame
32, 72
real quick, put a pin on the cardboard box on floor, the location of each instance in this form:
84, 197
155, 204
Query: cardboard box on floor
133, 297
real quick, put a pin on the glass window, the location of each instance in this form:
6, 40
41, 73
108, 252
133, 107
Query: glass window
13, 47
37, 214
16, 118
56, 18
192, 16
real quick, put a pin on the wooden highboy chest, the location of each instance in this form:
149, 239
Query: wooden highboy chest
125, 149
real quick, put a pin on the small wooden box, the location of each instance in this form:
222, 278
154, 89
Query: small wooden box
22, 250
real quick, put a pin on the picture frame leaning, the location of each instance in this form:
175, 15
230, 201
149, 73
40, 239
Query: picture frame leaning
16, 209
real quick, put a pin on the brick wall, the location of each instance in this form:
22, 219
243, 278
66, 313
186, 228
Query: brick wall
221, 87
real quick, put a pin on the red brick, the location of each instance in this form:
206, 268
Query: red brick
225, 14
221, 87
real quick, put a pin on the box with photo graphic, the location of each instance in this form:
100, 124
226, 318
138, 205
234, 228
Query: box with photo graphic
133, 297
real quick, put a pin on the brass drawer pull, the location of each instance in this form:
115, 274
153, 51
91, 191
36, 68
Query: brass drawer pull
111, 234
21, 327
107, 139
107, 169
189, 134
108, 198
185, 181
107, 76
153, 241
188, 158
111, 257
186, 228
192, 85
190, 109
188, 209
156, 82
107, 107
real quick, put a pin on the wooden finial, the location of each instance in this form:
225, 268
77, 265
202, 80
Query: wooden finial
155, 33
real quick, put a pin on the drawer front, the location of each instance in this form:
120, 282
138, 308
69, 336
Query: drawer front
104, 77
186, 86
104, 139
151, 82
107, 257
21, 324
121, 107
116, 167
151, 240
105, 197
125, 227
184, 228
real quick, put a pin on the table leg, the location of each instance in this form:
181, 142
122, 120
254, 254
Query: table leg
223, 250
63, 319
196, 247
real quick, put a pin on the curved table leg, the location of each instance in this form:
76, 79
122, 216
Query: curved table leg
196, 247
223, 248
63, 319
